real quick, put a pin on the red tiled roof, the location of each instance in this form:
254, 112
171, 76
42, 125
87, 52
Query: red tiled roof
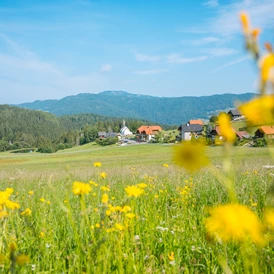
148, 129
196, 122
267, 129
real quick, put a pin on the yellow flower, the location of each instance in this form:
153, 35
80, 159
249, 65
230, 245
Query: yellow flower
105, 198
42, 234
259, 111
267, 63
12, 205
31, 192
97, 164
245, 21
234, 222
142, 185
108, 212
133, 191
3, 214
165, 165
130, 215
126, 208
103, 175
22, 259
225, 128
93, 183
27, 212
269, 218
48, 202
108, 230
79, 188
171, 256
190, 155
42, 200
97, 225
119, 227
105, 188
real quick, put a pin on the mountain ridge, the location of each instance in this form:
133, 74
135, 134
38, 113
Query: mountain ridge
165, 110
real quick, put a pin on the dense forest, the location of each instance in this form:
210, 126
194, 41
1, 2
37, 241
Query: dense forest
163, 110
22, 128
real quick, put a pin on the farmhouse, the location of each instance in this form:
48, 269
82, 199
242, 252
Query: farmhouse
146, 133
265, 131
234, 114
189, 130
196, 122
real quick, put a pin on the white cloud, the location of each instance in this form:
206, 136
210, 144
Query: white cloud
240, 60
146, 58
149, 72
211, 3
24, 77
178, 59
226, 22
221, 51
205, 40
106, 68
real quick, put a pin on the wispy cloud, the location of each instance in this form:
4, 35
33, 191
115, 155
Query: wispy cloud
149, 72
106, 68
204, 41
24, 75
226, 21
221, 51
146, 58
178, 59
211, 3
240, 60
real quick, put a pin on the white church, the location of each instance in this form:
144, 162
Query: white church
124, 130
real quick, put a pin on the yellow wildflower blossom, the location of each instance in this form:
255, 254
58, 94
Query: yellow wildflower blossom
97, 225
119, 227
42, 200
108, 212
226, 129
142, 185
12, 205
245, 21
234, 222
103, 175
3, 214
259, 111
105, 198
31, 192
165, 165
171, 256
97, 164
105, 188
133, 191
79, 188
190, 155
267, 63
93, 183
27, 212
126, 208
269, 218
130, 215
42, 234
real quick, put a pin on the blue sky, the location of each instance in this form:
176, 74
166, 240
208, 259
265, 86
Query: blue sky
55, 48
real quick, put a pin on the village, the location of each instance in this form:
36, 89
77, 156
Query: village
196, 128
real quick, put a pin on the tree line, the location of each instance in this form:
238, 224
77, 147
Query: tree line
23, 128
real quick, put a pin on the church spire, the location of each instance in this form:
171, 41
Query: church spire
124, 123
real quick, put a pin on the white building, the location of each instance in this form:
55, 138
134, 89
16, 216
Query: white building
124, 130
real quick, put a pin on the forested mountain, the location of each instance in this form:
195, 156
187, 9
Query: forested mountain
22, 128
176, 110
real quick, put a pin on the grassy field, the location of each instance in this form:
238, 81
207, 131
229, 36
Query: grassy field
106, 230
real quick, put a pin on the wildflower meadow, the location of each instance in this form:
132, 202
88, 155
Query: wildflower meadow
154, 208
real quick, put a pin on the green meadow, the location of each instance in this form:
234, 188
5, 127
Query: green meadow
106, 230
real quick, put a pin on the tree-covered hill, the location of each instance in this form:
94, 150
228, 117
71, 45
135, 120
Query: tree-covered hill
21, 128
164, 110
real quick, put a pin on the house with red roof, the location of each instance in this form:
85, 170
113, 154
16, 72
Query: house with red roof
146, 133
265, 131
196, 122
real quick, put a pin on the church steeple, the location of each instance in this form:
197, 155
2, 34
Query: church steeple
124, 123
